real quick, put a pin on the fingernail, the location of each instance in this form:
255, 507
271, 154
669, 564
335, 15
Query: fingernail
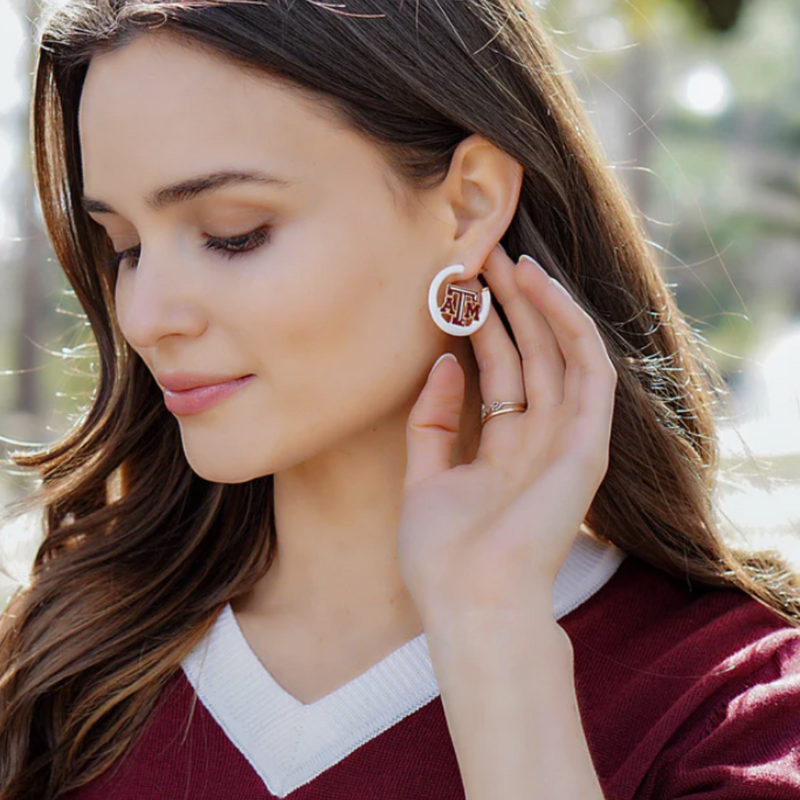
560, 286
532, 260
441, 358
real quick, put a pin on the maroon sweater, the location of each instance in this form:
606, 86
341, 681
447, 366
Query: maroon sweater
684, 693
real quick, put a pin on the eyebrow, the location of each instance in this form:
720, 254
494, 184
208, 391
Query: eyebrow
192, 188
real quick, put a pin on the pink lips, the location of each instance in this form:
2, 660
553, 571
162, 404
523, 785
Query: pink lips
193, 401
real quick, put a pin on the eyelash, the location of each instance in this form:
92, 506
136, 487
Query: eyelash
228, 248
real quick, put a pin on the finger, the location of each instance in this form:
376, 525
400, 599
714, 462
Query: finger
500, 379
434, 421
590, 380
542, 362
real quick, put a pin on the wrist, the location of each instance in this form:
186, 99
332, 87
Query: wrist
498, 642
527, 614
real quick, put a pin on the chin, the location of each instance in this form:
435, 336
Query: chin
218, 458
216, 470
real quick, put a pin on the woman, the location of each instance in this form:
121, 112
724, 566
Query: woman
335, 570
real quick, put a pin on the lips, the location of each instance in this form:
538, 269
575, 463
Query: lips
202, 396
183, 381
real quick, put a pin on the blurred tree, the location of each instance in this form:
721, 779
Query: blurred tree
720, 15
29, 391
639, 74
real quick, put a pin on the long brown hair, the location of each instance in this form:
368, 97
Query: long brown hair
139, 553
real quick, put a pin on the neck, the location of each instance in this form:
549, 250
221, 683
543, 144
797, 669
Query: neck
336, 517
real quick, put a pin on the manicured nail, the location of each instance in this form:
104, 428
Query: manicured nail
532, 260
441, 358
560, 286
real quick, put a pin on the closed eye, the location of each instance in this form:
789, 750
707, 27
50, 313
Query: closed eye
239, 244
230, 247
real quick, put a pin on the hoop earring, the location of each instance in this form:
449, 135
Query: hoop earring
463, 311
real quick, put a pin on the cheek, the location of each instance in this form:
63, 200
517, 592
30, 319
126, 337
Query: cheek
310, 321
320, 292
335, 338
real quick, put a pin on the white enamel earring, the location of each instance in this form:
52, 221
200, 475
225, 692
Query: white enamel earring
463, 310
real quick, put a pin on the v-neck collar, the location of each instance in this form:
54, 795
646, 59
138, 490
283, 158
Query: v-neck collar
290, 743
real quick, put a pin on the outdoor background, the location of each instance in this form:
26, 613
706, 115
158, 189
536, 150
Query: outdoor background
698, 105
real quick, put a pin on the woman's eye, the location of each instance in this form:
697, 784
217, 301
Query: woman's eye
239, 244
131, 253
230, 247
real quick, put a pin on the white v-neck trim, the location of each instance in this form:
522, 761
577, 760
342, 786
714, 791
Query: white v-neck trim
289, 743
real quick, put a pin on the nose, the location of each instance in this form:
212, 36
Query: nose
158, 297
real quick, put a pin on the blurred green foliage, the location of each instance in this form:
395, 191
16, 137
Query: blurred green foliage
698, 102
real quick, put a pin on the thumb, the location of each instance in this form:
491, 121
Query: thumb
433, 422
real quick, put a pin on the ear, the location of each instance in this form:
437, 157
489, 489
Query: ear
480, 193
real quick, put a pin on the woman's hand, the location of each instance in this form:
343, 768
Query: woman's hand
490, 536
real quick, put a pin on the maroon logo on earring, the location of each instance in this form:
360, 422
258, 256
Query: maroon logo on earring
461, 306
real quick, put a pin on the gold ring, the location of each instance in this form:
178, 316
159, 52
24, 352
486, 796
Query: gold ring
498, 407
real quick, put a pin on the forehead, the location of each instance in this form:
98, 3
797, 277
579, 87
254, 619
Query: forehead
157, 110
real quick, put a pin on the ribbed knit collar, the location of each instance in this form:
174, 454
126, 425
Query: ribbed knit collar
289, 743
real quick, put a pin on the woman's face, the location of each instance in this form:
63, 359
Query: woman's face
327, 305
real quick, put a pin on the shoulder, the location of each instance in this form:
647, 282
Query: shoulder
647, 615
683, 686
